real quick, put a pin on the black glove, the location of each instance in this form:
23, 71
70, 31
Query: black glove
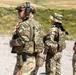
12, 43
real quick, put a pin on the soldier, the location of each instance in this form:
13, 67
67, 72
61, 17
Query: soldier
74, 59
27, 41
54, 45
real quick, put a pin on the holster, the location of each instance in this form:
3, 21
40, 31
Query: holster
29, 47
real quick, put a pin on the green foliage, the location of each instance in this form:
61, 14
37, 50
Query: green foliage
69, 19
9, 19
41, 2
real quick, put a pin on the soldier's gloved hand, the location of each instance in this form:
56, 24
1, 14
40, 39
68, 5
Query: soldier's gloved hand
12, 43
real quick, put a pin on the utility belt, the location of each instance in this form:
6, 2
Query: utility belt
40, 58
53, 48
28, 55
17, 49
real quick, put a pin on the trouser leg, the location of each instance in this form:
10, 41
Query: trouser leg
58, 70
50, 67
18, 64
34, 72
28, 66
58, 63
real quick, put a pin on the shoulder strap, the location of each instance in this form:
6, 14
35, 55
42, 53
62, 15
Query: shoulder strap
31, 33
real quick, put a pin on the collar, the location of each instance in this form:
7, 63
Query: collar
26, 18
53, 26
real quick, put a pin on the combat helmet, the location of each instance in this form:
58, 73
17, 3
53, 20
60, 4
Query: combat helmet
28, 6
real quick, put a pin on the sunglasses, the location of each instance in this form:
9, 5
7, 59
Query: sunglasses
20, 10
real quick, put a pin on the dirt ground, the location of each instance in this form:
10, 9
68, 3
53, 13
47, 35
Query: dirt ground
8, 60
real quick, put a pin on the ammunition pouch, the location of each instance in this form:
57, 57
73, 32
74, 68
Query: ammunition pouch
29, 47
40, 59
61, 46
53, 48
17, 49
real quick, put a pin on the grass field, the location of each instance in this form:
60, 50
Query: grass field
59, 4
44, 9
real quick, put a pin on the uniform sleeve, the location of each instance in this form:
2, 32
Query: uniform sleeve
20, 41
38, 38
53, 36
52, 42
22, 37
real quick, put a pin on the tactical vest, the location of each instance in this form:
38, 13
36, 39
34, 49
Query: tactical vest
28, 47
60, 41
29, 33
34, 45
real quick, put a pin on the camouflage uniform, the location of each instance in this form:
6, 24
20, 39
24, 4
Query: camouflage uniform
29, 41
74, 60
53, 54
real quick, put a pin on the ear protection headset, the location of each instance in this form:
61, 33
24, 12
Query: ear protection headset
27, 10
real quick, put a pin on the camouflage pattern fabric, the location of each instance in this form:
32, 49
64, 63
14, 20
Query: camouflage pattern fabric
56, 17
56, 44
18, 64
57, 58
23, 31
35, 45
53, 56
62, 38
52, 42
40, 59
27, 67
53, 64
50, 64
